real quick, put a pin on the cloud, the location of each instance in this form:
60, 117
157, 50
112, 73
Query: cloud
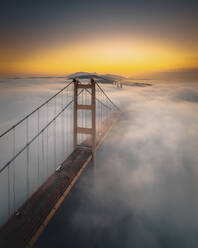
189, 95
143, 192
136, 84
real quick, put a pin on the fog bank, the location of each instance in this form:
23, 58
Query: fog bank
143, 192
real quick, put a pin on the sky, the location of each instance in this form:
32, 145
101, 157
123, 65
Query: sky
126, 37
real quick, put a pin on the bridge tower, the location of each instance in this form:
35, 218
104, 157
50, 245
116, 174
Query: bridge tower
92, 107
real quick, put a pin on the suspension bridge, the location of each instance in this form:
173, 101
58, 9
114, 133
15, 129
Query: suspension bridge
44, 154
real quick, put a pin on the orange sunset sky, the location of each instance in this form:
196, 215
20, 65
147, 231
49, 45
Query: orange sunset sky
123, 37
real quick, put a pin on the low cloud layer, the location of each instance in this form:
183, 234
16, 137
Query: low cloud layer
188, 95
143, 192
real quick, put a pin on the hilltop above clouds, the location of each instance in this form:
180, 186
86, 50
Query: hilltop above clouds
104, 78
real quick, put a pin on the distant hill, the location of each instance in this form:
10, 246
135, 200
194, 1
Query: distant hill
118, 77
103, 78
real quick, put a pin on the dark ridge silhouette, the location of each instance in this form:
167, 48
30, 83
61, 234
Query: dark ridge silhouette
137, 84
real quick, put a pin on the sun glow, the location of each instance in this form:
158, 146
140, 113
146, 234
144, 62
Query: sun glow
114, 56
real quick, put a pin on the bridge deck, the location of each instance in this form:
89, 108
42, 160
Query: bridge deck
32, 215
25, 226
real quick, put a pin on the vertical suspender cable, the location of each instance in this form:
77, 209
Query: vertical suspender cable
43, 156
67, 129
27, 170
55, 134
38, 162
62, 126
47, 140
8, 190
13, 188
